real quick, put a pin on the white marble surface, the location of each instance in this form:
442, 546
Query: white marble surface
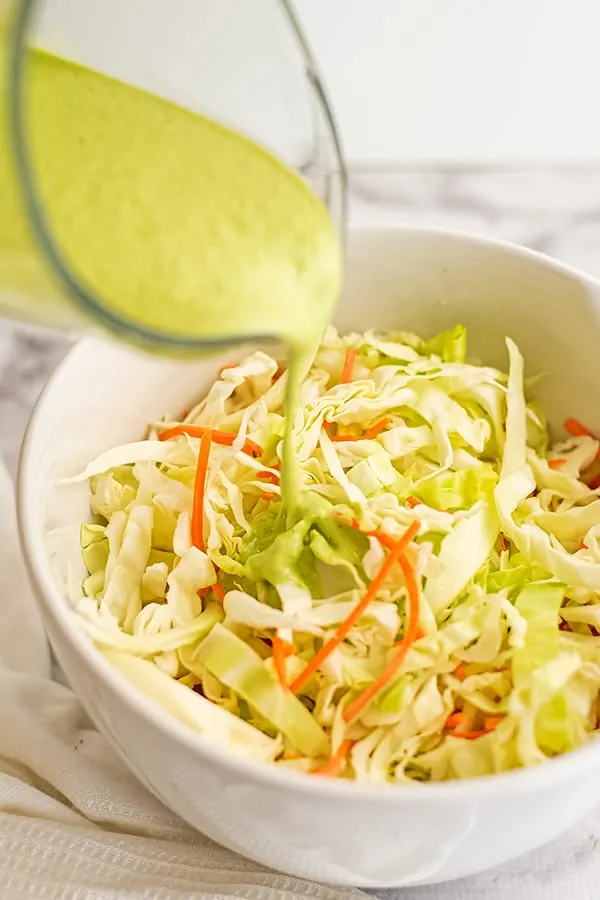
556, 212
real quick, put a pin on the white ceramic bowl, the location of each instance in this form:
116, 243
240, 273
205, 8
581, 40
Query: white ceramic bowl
331, 831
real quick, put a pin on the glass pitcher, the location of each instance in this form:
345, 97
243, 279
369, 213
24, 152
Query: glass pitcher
247, 65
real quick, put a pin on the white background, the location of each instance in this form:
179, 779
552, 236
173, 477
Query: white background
417, 81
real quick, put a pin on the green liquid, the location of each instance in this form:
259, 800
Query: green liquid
172, 221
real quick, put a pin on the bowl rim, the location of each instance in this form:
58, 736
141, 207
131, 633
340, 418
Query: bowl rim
54, 606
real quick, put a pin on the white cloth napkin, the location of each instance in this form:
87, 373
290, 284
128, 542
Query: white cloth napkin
76, 825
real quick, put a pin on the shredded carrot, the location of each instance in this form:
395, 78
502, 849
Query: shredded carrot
412, 501
225, 438
454, 720
218, 591
502, 542
376, 429
268, 476
279, 655
367, 435
365, 697
345, 438
278, 374
197, 523
351, 620
291, 756
288, 648
267, 495
461, 671
349, 360
576, 428
333, 766
491, 722
583, 545
556, 463
383, 538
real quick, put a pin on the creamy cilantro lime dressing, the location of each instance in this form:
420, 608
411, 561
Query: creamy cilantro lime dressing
175, 222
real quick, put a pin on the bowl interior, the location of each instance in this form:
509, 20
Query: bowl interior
401, 279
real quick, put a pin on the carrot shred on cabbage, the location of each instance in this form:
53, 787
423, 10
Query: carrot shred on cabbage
349, 360
364, 698
225, 438
351, 620
197, 522
333, 765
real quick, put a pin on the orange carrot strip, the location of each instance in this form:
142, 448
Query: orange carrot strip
382, 537
368, 435
376, 429
491, 722
365, 697
291, 756
267, 495
349, 360
502, 542
572, 426
342, 438
197, 523
218, 591
333, 766
578, 430
225, 438
583, 545
279, 661
351, 620
460, 671
412, 501
287, 647
556, 463
454, 720
268, 476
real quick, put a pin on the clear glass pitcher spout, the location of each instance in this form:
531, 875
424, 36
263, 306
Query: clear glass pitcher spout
244, 64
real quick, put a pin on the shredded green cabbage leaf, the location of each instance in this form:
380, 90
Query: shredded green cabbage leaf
244, 636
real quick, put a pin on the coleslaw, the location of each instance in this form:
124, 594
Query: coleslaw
429, 611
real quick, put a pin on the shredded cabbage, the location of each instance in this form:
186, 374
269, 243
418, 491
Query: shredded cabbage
276, 634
